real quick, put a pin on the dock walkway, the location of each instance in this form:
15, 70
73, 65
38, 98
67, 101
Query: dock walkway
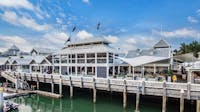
165, 89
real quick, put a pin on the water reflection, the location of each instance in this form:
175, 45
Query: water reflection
35, 103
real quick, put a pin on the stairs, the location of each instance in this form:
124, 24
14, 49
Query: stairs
20, 83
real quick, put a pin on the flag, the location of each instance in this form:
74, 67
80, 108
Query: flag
74, 28
98, 26
68, 40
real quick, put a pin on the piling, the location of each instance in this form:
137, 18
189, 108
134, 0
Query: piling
94, 91
71, 87
16, 84
38, 83
137, 101
182, 100
124, 95
164, 98
198, 106
1, 99
52, 85
60, 86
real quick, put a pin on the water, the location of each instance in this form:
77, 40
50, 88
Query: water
106, 102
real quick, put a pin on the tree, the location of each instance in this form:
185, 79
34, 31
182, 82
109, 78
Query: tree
193, 47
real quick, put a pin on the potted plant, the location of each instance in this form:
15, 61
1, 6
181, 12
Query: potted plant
169, 74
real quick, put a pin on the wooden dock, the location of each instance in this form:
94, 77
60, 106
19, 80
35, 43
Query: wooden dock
165, 89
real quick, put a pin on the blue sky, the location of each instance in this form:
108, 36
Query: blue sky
128, 24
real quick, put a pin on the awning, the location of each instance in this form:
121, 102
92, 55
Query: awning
141, 60
188, 57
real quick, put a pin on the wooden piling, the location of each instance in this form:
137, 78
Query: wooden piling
188, 90
182, 100
143, 87
198, 106
94, 91
71, 87
60, 86
124, 95
52, 84
137, 101
164, 98
38, 86
108, 84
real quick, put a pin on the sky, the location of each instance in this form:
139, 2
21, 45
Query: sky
127, 24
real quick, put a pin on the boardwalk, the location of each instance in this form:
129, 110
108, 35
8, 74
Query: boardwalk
165, 89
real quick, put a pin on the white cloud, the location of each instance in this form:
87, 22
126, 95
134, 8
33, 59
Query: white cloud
13, 18
184, 32
86, 1
57, 38
21, 42
131, 41
16, 4
59, 21
84, 35
112, 39
198, 11
192, 19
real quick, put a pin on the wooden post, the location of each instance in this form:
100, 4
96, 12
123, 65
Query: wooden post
38, 86
71, 87
137, 100
198, 106
108, 84
16, 83
143, 87
81, 82
124, 95
94, 91
60, 86
164, 99
182, 100
52, 85
188, 90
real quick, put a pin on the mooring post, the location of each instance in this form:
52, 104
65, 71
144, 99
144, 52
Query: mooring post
1, 99
108, 84
16, 83
198, 106
182, 100
164, 99
124, 95
60, 86
137, 98
94, 91
52, 85
38, 84
188, 90
71, 87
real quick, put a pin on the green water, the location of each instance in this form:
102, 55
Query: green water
106, 102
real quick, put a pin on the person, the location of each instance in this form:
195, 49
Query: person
174, 78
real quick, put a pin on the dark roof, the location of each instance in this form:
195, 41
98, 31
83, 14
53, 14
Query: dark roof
161, 44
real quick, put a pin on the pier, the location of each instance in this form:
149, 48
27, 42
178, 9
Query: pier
165, 89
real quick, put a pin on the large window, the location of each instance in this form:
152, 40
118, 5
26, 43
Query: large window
91, 58
80, 58
101, 57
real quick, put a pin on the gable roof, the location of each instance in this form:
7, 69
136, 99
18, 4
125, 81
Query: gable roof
3, 60
43, 50
161, 44
14, 47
